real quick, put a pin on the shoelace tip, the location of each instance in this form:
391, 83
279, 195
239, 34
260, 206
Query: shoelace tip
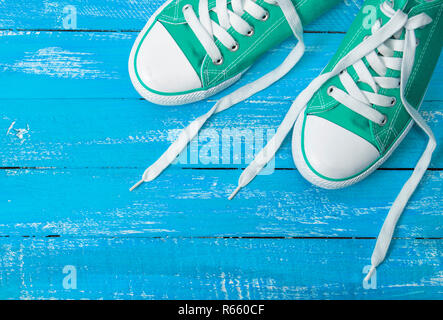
370, 273
234, 193
136, 185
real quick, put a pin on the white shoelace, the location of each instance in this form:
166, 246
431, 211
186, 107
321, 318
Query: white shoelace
237, 96
206, 29
385, 40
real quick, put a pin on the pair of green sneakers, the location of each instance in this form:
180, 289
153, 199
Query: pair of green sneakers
345, 124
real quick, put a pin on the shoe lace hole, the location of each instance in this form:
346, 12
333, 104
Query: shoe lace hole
330, 90
265, 16
218, 62
251, 32
384, 121
393, 101
234, 47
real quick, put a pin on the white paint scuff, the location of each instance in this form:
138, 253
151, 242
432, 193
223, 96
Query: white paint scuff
61, 63
19, 133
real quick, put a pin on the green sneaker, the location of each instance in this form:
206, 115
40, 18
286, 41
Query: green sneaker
192, 49
354, 115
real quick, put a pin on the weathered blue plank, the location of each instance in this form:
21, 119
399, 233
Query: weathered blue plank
73, 90
122, 15
133, 133
122, 268
96, 202
94, 65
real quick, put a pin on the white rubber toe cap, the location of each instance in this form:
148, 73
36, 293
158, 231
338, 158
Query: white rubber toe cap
335, 152
161, 64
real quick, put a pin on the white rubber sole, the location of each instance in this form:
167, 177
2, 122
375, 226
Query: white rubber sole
313, 178
168, 100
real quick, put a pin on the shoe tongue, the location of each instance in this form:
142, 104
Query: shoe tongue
400, 4
406, 5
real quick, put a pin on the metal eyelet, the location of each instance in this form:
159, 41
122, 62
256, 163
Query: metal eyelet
186, 7
234, 47
265, 16
218, 61
383, 123
251, 32
417, 42
331, 89
393, 101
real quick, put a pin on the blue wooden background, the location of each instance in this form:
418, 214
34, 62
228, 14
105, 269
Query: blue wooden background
74, 135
